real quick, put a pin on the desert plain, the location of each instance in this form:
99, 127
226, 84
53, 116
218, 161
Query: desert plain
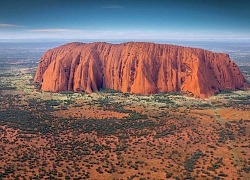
113, 135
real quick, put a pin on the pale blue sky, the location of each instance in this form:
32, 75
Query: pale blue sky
127, 19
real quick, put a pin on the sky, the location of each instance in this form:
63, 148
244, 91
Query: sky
125, 19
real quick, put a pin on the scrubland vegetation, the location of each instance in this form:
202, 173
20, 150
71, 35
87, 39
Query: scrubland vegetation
111, 135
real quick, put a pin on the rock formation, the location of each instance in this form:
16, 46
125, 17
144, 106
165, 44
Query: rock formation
141, 68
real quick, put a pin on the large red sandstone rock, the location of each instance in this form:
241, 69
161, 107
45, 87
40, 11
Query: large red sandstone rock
141, 68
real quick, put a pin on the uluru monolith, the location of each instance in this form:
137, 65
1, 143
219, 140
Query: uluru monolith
137, 67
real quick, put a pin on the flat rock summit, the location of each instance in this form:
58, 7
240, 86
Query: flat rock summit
137, 67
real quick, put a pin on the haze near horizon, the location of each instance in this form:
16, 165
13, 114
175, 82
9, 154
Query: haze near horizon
80, 19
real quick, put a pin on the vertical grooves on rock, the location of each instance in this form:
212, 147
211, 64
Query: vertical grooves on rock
141, 68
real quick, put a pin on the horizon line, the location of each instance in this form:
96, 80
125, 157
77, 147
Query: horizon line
222, 38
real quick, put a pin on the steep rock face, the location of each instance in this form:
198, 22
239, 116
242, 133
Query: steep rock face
141, 68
